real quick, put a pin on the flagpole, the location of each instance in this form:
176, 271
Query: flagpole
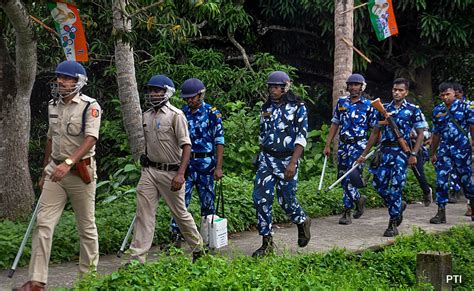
357, 51
44, 25
355, 7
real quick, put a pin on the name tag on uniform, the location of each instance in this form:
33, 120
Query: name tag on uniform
53, 116
342, 108
441, 114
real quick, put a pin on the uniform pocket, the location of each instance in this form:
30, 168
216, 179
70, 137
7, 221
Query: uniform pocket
54, 125
164, 133
73, 127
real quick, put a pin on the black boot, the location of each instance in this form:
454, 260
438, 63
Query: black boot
304, 232
360, 207
266, 248
391, 230
176, 241
452, 198
428, 197
346, 217
197, 255
440, 216
400, 218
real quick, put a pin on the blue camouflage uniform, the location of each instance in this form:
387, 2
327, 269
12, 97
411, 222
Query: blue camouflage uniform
282, 126
206, 132
453, 181
454, 152
354, 120
390, 176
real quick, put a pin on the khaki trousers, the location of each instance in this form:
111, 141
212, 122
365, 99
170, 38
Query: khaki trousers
52, 202
154, 184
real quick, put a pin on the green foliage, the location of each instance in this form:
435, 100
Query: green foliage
393, 267
119, 184
241, 126
115, 210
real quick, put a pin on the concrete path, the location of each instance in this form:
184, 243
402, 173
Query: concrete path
363, 233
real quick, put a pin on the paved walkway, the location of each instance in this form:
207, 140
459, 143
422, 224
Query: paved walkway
363, 233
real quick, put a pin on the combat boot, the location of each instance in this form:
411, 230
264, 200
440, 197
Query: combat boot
267, 247
391, 230
198, 254
304, 232
360, 207
177, 239
346, 217
400, 218
440, 216
452, 197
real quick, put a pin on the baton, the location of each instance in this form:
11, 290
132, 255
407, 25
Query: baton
25, 239
125, 240
322, 173
350, 170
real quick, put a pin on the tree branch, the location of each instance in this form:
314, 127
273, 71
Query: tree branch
207, 37
241, 49
143, 9
265, 29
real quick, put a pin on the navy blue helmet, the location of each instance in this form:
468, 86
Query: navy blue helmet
192, 87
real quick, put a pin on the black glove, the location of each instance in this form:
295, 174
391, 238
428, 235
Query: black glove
144, 161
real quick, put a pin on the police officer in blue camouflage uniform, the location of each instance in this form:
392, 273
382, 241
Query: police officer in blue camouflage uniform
283, 131
451, 150
207, 137
390, 176
355, 116
455, 190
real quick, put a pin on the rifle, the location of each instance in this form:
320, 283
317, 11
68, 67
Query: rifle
377, 104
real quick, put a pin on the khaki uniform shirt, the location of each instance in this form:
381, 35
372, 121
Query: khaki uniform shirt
166, 131
65, 125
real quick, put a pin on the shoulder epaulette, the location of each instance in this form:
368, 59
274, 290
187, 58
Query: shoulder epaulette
87, 98
174, 109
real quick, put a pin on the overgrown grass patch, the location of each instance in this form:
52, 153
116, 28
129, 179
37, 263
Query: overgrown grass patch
392, 267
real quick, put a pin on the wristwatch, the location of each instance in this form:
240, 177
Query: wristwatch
413, 154
69, 162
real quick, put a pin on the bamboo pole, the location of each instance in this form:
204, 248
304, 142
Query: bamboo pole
356, 50
355, 7
44, 25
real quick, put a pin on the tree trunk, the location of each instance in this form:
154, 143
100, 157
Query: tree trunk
127, 83
423, 89
16, 84
343, 55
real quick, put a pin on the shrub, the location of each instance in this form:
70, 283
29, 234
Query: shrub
392, 267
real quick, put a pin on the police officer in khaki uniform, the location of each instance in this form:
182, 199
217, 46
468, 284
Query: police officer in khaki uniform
74, 121
168, 149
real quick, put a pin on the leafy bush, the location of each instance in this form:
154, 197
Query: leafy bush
113, 216
393, 267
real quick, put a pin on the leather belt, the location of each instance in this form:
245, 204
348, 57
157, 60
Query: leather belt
351, 139
201, 155
278, 155
164, 167
390, 144
88, 161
